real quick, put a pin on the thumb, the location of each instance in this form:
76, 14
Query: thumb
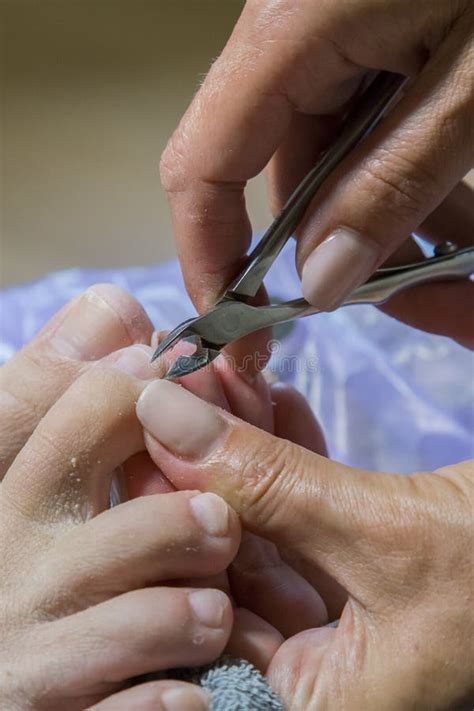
389, 185
327, 513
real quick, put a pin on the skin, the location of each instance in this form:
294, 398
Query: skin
390, 554
401, 547
273, 100
97, 611
101, 595
77, 599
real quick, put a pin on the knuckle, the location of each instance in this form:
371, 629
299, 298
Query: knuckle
267, 478
403, 186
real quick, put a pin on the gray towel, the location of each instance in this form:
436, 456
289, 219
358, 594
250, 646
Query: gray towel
234, 685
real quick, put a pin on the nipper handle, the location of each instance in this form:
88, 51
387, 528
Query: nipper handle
362, 120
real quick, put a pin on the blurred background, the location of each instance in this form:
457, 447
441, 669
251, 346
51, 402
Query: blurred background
91, 91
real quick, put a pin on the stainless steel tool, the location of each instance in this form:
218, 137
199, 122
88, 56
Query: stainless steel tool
234, 316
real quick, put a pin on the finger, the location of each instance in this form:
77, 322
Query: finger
221, 384
453, 219
310, 653
157, 696
389, 185
295, 421
436, 309
247, 397
63, 472
321, 510
253, 639
136, 633
259, 575
204, 383
140, 543
295, 157
445, 309
307, 136
99, 321
221, 143
142, 477
240, 390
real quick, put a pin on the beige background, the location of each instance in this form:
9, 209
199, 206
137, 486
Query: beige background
91, 90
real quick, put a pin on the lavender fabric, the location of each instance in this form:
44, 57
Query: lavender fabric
389, 397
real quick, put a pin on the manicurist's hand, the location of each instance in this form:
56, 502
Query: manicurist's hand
401, 546
275, 97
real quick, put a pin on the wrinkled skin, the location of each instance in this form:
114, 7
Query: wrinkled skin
401, 546
274, 99
90, 597
86, 592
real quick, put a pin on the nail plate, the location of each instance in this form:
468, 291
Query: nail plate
208, 607
212, 513
337, 266
182, 422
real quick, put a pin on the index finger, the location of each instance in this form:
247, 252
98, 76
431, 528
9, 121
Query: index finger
234, 125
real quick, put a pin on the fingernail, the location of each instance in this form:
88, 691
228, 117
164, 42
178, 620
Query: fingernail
91, 328
336, 267
212, 513
182, 422
185, 699
208, 606
135, 361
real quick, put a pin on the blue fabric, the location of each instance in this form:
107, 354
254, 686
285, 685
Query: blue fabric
388, 396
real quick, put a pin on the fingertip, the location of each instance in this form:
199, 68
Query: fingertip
339, 264
163, 695
128, 309
215, 516
212, 610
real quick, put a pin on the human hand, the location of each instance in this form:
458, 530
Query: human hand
63, 391
443, 308
263, 586
87, 595
276, 95
401, 546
